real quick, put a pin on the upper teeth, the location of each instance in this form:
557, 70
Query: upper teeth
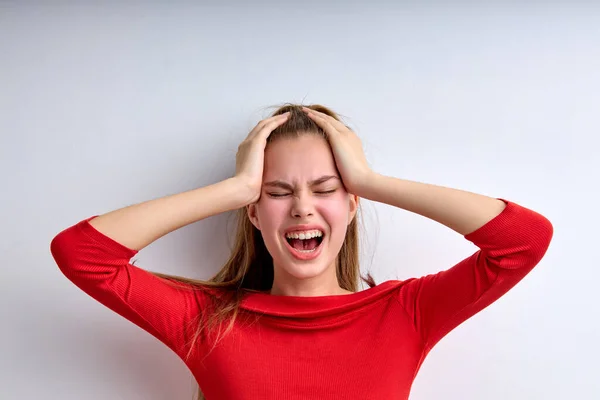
304, 235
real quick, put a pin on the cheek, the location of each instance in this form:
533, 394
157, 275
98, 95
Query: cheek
335, 213
271, 215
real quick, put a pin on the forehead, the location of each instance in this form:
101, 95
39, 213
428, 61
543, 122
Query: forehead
296, 159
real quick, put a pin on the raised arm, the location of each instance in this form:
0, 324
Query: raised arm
512, 240
139, 225
95, 255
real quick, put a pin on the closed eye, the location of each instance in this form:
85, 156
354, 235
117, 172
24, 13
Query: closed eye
286, 194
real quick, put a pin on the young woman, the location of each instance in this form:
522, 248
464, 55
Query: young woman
284, 319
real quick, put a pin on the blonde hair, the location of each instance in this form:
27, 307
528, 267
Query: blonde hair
250, 266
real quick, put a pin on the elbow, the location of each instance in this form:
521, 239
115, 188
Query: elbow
540, 238
58, 249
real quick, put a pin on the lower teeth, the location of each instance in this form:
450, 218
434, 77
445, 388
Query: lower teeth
306, 251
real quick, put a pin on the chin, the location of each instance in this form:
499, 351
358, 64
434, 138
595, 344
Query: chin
304, 271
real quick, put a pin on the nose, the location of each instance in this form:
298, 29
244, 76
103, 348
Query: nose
302, 205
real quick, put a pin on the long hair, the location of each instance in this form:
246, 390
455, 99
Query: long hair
250, 266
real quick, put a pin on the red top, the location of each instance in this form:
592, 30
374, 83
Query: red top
365, 345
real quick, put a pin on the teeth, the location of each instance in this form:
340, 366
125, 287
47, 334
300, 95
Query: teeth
304, 235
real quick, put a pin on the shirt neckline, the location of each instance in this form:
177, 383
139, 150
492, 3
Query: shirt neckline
314, 306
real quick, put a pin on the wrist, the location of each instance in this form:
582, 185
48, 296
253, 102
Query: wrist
368, 187
244, 193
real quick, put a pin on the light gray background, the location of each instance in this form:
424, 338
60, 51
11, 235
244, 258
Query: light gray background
109, 105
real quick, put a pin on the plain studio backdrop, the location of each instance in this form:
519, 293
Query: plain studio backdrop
108, 105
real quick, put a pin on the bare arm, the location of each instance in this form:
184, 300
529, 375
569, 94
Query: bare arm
138, 225
461, 211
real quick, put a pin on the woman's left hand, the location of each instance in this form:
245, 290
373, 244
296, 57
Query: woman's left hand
347, 151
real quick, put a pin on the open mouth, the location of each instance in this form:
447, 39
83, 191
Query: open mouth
305, 244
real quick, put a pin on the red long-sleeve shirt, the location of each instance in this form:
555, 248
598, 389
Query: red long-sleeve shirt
365, 345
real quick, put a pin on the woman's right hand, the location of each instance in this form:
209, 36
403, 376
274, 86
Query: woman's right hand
250, 157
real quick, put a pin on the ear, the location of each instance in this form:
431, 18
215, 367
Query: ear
353, 202
251, 210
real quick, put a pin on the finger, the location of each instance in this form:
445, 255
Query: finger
337, 124
270, 125
324, 123
266, 121
278, 119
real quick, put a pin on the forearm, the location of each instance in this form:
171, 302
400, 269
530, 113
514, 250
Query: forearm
138, 225
461, 211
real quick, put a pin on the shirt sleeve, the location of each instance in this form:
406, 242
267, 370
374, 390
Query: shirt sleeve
510, 246
100, 267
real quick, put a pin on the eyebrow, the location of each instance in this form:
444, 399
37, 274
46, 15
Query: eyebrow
285, 185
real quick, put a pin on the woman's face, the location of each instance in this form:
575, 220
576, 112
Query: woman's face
288, 199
